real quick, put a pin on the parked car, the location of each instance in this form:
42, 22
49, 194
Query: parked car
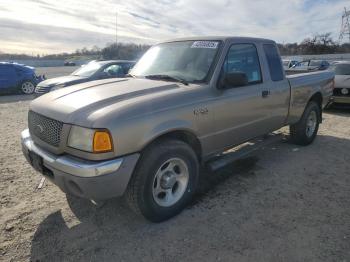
92, 71
69, 63
341, 92
289, 63
188, 100
311, 65
18, 78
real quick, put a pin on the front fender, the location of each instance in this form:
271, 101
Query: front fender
166, 128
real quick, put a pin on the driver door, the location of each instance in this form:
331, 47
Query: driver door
240, 111
8, 76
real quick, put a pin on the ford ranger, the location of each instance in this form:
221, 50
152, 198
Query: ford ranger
145, 136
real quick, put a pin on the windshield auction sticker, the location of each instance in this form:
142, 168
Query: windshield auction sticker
205, 44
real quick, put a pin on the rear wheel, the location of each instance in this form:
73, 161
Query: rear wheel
164, 180
305, 131
27, 87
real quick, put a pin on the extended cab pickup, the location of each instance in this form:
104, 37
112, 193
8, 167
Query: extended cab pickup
185, 101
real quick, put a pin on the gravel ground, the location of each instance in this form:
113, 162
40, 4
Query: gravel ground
284, 203
51, 72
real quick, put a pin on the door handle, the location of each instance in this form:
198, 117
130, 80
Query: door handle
265, 93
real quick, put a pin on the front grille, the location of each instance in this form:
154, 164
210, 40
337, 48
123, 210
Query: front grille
44, 128
337, 92
41, 90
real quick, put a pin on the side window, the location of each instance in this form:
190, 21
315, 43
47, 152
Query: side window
244, 58
274, 62
114, 70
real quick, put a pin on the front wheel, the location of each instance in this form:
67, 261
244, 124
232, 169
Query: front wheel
164, 180
305, 131
27, 87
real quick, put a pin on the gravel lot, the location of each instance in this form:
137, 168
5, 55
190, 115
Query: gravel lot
284, 203
51, 72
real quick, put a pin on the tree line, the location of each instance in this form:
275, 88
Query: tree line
126, 51
318, 44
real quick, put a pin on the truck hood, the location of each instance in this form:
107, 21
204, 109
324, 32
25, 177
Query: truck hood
74, 104
66, 80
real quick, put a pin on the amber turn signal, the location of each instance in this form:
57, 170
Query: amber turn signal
102, 142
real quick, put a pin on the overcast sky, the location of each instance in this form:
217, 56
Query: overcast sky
54, 26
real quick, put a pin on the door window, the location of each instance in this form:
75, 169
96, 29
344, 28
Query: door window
114, 70
243, 58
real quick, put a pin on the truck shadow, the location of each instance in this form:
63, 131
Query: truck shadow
53, 236
15, 98
340, 110
112, 231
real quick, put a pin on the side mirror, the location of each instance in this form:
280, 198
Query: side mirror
232, 80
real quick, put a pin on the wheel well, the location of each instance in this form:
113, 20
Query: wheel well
318, 99
185, 136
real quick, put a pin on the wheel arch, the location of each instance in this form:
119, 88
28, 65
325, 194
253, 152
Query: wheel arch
184, 135
317, 98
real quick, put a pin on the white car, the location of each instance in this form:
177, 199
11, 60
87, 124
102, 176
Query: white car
341, 92
289, 63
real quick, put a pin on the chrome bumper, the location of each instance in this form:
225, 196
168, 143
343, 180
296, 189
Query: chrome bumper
340, 99
71, 165
84, 178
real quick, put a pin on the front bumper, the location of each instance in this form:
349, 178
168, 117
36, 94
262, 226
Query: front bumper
340, 99
95, 180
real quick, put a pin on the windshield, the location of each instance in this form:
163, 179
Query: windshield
341, 69
186, 60
87, 70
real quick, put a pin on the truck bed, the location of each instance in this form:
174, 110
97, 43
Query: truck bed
303, 85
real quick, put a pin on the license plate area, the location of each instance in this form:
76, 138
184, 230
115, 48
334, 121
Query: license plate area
37, 161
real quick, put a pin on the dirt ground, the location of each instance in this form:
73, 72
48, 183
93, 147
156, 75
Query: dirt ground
51, 72
284, 203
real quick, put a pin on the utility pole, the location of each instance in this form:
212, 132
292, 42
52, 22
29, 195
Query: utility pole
116, 34
116, 27
344, 35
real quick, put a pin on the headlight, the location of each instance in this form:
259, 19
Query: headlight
90, 140
57, 87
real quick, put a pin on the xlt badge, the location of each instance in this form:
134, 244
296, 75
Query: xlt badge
201, 111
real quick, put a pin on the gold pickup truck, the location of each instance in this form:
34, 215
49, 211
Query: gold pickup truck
186, 100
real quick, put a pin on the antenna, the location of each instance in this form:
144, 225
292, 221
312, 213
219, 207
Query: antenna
344, 35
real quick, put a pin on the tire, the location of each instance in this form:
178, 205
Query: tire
304, 132
27, 87
164, 180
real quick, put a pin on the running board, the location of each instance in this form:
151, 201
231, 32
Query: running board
243, 150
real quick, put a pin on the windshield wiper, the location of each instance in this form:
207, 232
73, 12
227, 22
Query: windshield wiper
167, 77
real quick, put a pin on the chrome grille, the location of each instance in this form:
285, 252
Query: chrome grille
44, 128
41, 89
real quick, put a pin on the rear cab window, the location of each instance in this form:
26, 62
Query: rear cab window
274, 61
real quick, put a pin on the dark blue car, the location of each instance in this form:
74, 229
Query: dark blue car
17, 78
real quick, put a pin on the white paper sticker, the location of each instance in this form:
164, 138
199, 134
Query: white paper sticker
255, 76
205, 44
